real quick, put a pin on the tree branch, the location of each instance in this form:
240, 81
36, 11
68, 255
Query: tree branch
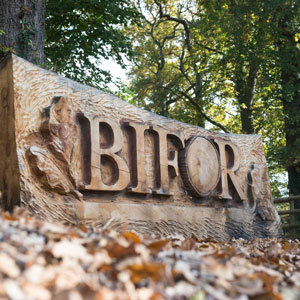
184, 23
209, 48
207, 118
182, 69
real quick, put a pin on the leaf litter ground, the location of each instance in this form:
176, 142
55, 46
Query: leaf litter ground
44, 260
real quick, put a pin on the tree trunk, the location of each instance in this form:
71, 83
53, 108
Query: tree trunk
247, 120
22, 22
246, 91
292, 133
289, 57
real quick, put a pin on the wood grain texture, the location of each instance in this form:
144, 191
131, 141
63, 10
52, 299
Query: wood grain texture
82, 155
9, 165
199, 166
203, 222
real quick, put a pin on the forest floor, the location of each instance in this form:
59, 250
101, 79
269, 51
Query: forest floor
44, 260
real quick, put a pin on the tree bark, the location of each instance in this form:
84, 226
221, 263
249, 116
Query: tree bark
292, 134
22, 23
289, 56
246, 91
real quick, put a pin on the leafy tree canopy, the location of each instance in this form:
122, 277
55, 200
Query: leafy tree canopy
233, 64
81, 33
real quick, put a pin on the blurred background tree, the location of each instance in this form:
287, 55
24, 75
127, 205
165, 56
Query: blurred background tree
79, 34
227, 65
70, 37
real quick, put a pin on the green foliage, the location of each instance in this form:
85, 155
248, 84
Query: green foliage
80, 33
4, 50
25, 37
227, 65
173, 74
237, 60
125, 92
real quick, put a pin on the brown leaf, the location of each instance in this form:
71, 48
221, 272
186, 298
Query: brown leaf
105, 294
8, 217
118, 251
286, 246
153, 271
131, 237
188, 244
156, 246
83, 228
250, 286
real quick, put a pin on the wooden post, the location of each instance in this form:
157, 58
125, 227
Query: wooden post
292, 219
292, 227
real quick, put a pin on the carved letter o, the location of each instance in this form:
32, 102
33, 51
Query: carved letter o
199, 166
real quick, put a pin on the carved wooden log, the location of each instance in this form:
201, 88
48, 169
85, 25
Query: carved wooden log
73, 153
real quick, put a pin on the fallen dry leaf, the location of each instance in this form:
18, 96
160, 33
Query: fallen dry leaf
8, 266
43, 260
153, 271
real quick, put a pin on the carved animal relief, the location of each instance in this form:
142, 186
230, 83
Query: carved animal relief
84, 155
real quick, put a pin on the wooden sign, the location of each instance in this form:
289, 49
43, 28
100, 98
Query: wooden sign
74, 153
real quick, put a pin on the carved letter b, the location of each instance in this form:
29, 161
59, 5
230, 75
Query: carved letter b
98, 153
